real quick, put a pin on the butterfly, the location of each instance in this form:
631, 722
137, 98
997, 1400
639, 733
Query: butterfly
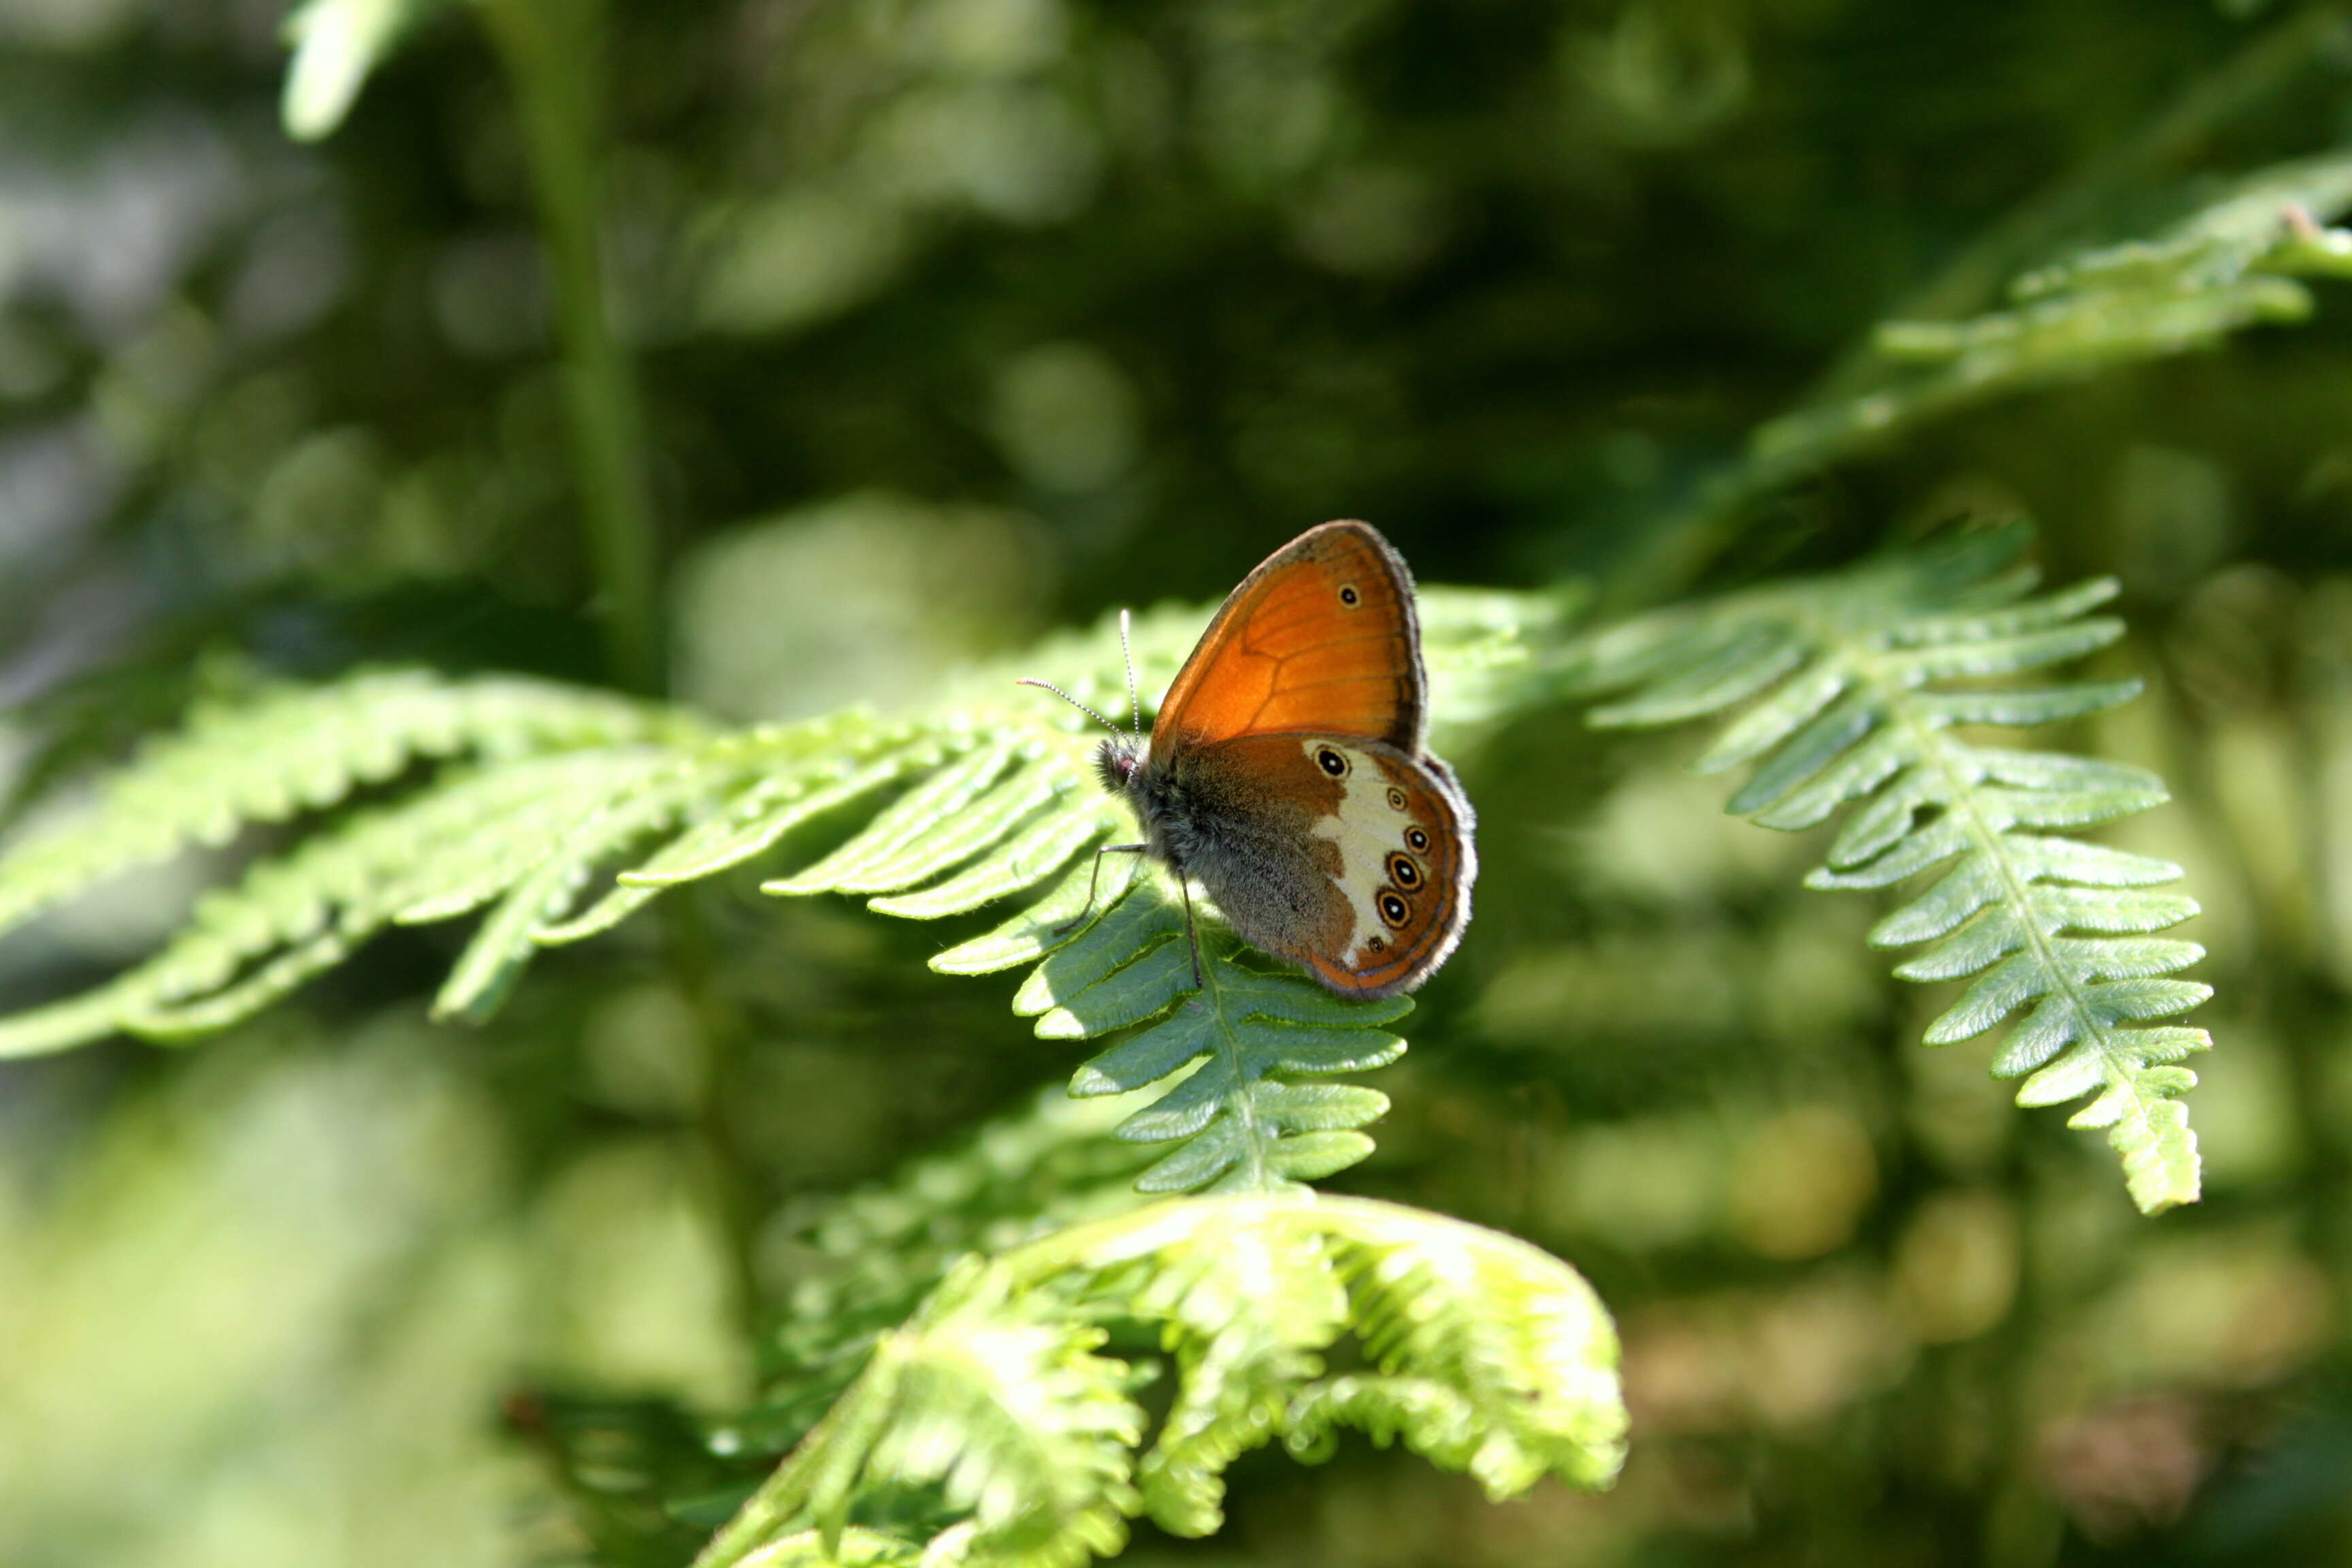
1287, 772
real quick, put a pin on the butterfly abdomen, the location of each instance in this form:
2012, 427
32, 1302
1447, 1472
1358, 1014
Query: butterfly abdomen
1209, 815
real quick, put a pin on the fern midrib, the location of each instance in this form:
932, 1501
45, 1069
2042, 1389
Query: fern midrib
1932, 744
1242, 1105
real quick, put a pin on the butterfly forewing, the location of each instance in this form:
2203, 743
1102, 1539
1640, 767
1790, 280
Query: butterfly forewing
1321, 638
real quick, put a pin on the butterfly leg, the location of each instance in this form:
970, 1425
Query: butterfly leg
1092, 877
1193, 931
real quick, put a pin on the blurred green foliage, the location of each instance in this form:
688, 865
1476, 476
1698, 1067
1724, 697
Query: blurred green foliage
905, 331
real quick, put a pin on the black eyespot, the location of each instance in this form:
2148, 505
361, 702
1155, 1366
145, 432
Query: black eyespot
1349, 596
1416, 837
1404, 871
1396, 798
1376, 944
1331, 762
1393, 909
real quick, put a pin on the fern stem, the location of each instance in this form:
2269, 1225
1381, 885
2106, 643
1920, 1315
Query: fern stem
553, 53
785, 1495
723, 1035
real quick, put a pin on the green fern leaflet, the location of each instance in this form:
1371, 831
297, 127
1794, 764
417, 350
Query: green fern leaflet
1850, 703
995, 1402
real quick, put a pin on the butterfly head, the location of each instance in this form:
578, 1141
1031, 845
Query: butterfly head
1116, 761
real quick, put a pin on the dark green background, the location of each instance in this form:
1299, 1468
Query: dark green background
959, 320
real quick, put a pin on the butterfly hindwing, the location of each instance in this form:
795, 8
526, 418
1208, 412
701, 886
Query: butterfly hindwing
1403, 830
1348, 855
1321, 637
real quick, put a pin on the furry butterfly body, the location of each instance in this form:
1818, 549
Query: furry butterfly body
1287, 771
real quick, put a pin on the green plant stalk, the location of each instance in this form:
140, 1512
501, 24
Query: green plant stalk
554, 56
724, 1034
553, 53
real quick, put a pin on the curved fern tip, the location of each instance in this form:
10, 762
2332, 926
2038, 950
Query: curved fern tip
1481, 1354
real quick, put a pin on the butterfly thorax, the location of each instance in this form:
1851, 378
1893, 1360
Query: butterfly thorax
1163, 798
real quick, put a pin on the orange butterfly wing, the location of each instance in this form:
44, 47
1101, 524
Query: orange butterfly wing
1321, 638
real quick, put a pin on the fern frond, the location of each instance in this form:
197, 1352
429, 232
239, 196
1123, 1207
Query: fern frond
440, 854
1459, 1385
1240, 1368
885, 1248
560, 782
1845, 682
1245, 1120
575, 797
997, 1401
1488, 1356
2231, 264
305, 749
954, 1401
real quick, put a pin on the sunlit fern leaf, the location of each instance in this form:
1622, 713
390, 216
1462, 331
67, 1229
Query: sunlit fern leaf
337, 45
1247, 1310
792, 773
1487, 1355
1044, 926
1470, 1389
994, 1396
1243, 1119
563, 783
435, 855
1844, 680
883, 1248
535, 895
305, 749
577, 799
853, 1548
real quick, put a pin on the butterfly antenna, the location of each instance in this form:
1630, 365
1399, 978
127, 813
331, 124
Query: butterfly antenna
1134, 697
1049, 685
